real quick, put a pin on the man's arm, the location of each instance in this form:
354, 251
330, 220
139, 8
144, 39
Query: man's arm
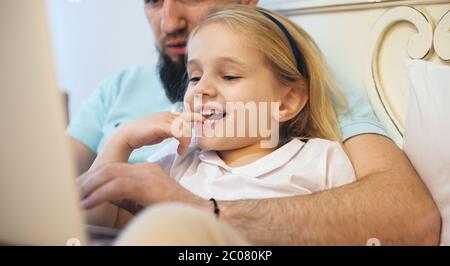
388, 202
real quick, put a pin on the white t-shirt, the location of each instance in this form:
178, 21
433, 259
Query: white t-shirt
297, 168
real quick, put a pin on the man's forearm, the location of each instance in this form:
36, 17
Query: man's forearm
391, 209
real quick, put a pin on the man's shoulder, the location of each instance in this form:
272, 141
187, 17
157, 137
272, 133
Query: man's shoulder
133, 81
139, 70
359, 118
135, 75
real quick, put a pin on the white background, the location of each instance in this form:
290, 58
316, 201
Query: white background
93, 39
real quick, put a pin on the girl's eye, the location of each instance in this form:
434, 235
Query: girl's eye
194, 79
229, 78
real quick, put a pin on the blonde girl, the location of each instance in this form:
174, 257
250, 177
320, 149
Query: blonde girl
249, 55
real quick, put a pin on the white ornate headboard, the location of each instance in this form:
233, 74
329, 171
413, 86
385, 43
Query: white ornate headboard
366, 44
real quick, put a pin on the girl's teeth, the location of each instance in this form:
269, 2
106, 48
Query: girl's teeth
216, 116
208, 112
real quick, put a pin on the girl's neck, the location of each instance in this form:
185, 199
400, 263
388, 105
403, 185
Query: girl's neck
245, 155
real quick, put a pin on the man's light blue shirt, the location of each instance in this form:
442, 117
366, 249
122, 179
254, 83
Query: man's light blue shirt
137, 92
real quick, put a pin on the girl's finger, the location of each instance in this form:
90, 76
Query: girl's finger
182, 125
184, 145
192, 117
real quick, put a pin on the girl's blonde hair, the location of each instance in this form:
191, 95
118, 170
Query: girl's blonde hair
318, 119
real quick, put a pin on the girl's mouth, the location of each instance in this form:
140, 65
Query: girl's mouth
212, 116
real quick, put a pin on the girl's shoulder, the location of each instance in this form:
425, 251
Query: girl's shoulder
329, 158
321, 149
321, 144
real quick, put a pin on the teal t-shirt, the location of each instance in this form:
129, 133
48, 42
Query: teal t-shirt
137, 92
360, 117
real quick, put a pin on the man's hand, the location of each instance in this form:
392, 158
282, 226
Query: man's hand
143, 184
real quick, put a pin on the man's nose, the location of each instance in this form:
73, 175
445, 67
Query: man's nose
172, 17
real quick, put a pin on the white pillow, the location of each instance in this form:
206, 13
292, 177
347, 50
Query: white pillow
427, 132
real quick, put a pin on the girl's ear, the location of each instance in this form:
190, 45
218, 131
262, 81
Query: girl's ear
293, 99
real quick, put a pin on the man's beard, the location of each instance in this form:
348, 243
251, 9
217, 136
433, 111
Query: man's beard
173, 76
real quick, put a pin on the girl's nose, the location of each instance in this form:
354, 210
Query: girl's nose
205, 88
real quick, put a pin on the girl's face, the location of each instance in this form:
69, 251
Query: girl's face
223, 70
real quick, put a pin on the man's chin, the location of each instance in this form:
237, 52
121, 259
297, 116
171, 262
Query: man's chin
176, 53
176, 57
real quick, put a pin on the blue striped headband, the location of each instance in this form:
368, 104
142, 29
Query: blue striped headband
294, 48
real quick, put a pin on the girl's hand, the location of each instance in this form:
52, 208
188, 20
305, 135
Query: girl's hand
155, 128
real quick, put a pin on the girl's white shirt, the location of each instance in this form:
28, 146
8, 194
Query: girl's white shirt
297, 168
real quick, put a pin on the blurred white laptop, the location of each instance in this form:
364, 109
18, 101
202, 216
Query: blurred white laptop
39, 203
